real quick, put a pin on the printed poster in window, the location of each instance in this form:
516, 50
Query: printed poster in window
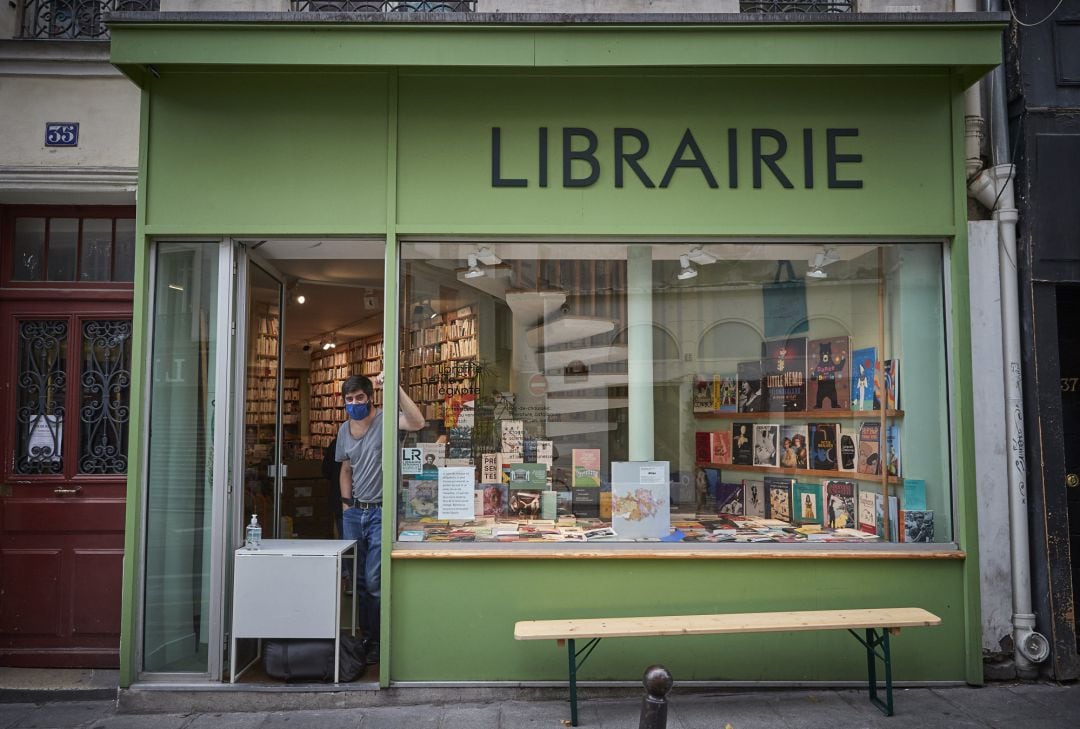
460, 411
641, 499
43, 443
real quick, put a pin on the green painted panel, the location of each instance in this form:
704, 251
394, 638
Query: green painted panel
242, 153
470, 636
904, 137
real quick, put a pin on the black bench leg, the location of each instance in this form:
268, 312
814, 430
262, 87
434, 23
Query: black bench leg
575, 664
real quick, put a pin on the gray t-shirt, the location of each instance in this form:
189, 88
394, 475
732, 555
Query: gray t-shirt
365, 457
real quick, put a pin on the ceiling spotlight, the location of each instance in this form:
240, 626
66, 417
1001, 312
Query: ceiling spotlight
826, 256
687, 271
701, 256
487, 257
816, 273
300, 298
474, 270
331, 343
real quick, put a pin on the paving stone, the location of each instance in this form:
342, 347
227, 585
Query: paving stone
142, 721
323, 719
1060, 700
469, 717
547, 714
401, 717
227, 720
741, 711
997, 707
66, 715
10, 714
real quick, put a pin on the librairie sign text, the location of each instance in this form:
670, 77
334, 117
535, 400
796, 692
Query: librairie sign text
626, 157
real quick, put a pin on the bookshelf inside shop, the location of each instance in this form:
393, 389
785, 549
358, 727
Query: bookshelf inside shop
261, 386
329, 369
438, 351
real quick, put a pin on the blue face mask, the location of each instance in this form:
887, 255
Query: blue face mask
357, 410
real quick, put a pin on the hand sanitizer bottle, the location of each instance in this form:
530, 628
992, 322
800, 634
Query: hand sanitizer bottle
253, 534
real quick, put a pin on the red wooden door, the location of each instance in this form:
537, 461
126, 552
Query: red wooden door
66, 376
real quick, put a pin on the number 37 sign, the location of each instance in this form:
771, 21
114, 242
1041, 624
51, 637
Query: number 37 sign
61, 134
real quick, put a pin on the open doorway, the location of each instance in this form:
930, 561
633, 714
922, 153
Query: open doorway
312, 316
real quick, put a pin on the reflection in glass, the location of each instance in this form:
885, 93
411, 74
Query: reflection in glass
261, 397
105, 385
183, 394
42, 389
757, 385
28, 253
63, 248
96, 254
124, 255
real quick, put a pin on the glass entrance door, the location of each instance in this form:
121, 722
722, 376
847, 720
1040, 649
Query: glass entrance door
263, 292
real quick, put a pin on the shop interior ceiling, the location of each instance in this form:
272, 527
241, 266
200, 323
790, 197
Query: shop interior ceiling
342, 279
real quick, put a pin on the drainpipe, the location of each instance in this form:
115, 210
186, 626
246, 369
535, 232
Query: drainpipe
973, 119
993, 187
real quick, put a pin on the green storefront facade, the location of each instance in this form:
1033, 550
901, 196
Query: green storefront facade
480, 129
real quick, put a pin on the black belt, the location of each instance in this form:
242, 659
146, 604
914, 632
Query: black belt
366, 504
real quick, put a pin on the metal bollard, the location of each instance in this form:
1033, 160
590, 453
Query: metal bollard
657, 681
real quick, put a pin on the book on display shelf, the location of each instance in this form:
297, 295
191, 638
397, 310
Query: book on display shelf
495, 500
865, 383
869, 461
823, 446
778, 498
918, 525
891, 383
586, 463
752, 395
766, 445
523, 503
840, 504
753, 497
490, 468
828, 384
742, 444
545, 450
783, 367
513, 436
728, 498
806, 504
793, 450
868, 508
848, 450
893, 464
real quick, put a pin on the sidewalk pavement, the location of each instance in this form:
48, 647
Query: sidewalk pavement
997, 706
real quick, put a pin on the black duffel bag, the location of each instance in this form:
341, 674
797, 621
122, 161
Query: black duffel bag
304, 659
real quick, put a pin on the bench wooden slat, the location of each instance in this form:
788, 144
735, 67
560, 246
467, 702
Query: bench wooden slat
730, 623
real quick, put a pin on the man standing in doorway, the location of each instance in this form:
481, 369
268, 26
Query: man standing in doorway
359, 450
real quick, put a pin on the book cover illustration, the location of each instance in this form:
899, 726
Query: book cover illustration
753, 498
459, 443
728, 498
640, 499
891, 383
778, 498
840, 504
806, 503
422, 500
725, 394
495, 498
702, 447
793, 450
434, 458
868, 512
523, 503
893, 464
742, 444
513, 436
823, 450
784, 370
918, 525
459, 411
720, 443
766, 448
752, 395
703, 394
586, 463
848, 451
827, 374
527, 476
864, 387
870, 448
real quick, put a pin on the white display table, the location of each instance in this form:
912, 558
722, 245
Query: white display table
290, 588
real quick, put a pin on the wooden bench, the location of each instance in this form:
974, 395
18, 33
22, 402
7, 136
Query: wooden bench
888, 621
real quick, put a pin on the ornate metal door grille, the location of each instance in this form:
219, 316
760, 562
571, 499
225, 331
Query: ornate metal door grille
106, 383
42, 384
75, 19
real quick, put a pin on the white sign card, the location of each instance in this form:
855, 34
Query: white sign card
456, 486
652, 474
44, 441
412, 461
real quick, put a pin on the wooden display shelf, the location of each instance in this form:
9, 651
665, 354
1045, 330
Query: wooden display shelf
822, 415
812, 472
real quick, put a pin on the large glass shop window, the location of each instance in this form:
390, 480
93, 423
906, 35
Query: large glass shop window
731, 393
